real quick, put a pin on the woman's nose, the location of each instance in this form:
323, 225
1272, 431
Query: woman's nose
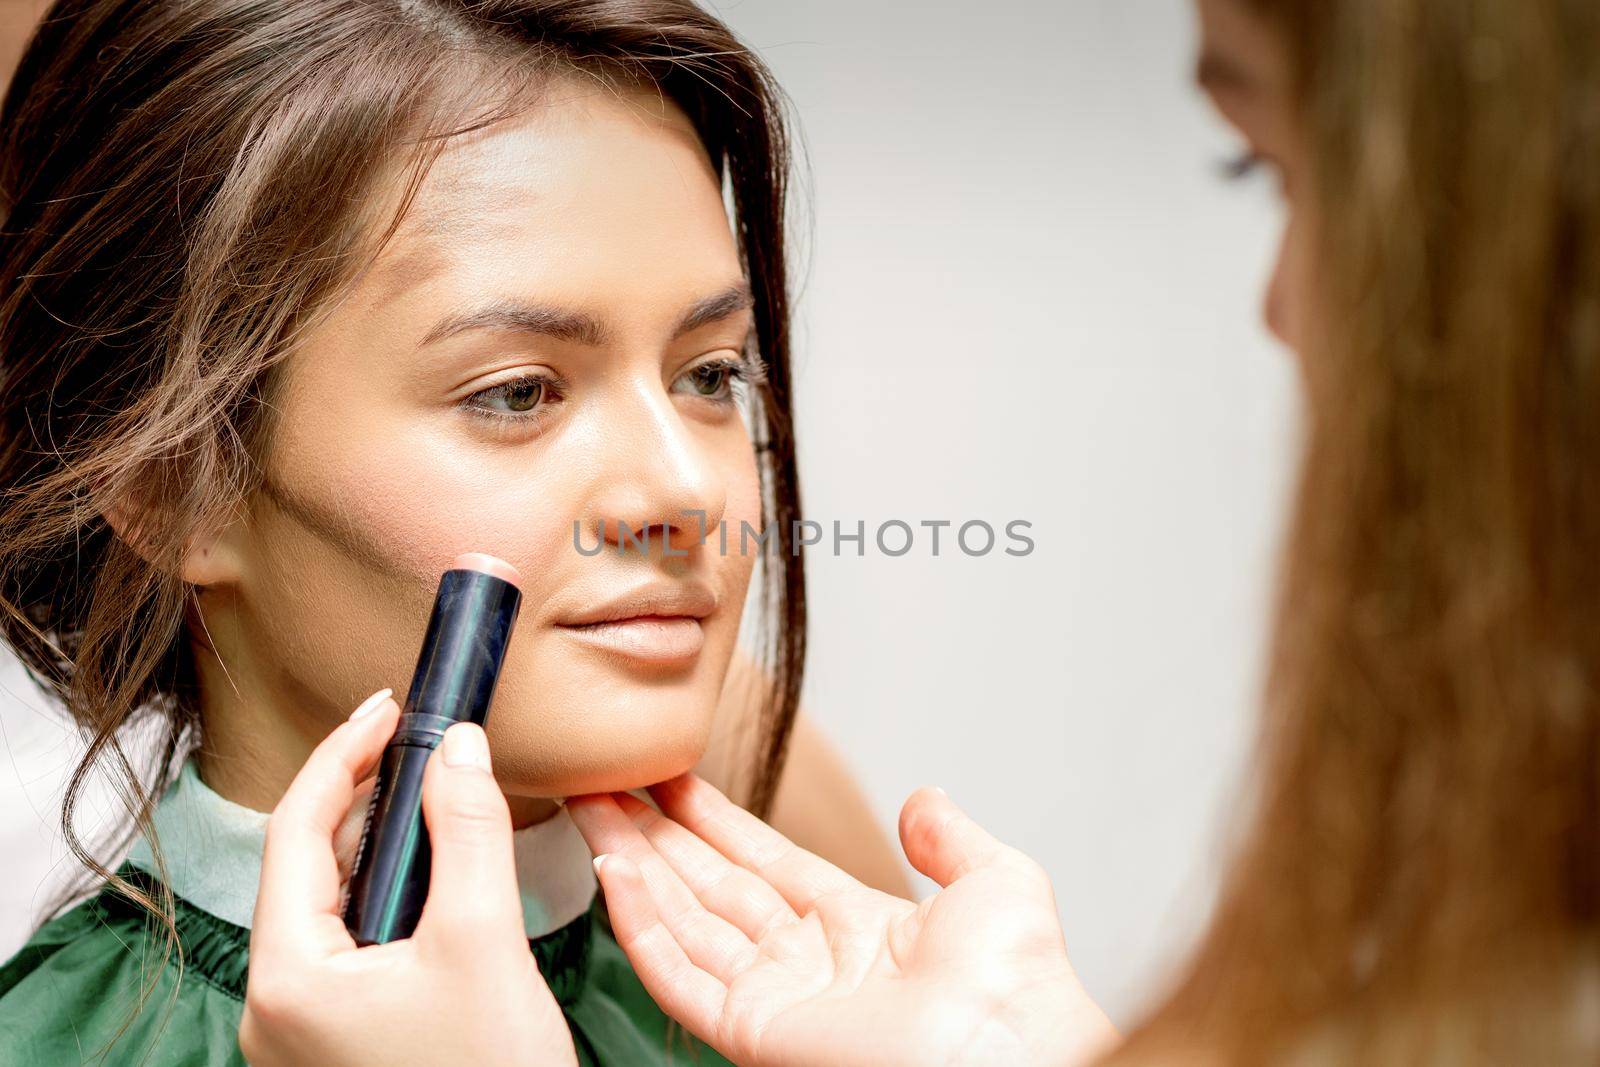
656, 485
1280, 310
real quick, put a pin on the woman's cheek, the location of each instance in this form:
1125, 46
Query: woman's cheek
744, 498
433, 506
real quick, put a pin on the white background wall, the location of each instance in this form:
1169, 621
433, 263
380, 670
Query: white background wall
1026, 295
1030, 296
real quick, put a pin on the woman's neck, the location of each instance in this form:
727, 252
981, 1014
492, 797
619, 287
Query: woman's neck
255, 737
248, 782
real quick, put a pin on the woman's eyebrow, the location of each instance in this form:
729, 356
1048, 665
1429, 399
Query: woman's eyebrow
568, 325
732, 300
523, 316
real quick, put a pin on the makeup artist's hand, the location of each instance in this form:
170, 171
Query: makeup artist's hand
462, 989
778, 959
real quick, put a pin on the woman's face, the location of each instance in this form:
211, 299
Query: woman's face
547, 341
1244, 67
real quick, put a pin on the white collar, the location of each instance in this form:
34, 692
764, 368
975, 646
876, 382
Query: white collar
212, 848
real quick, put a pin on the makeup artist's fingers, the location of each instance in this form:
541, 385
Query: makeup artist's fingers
684, 991
710, 941
795, 873
726, 889
297, 906
472, 889
945, 844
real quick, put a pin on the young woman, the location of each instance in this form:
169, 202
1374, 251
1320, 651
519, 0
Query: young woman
297, 303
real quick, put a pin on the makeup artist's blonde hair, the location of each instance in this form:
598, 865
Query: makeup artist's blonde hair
1420, 882
183, 188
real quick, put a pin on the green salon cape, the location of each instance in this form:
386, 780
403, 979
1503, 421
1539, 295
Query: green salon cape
66, 995
72, 992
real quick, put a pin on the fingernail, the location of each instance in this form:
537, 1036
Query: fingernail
465, 746
940, 791
371, 704
599, 860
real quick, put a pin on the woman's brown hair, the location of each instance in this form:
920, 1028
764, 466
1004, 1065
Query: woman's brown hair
184, 189
1421, 878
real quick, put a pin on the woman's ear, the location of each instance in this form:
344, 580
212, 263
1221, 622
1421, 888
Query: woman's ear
212, 557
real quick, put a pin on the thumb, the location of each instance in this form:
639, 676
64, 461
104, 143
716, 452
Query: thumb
943, 843
472, 891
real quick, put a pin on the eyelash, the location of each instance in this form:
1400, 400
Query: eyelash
550, 383
1248, 163
742, 371
1238, 167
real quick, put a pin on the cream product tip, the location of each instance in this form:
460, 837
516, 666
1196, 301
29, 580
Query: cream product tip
482, 561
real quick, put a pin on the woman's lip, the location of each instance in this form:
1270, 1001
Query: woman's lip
648, 638
660, 599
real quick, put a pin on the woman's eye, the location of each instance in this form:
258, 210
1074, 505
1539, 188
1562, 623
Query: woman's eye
523, 396
1241, 165
520, 398
710, 380
1249, 163
722, 380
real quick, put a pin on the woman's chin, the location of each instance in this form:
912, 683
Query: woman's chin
609, 766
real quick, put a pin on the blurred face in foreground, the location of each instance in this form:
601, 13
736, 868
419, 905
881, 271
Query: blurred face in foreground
1244, 68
